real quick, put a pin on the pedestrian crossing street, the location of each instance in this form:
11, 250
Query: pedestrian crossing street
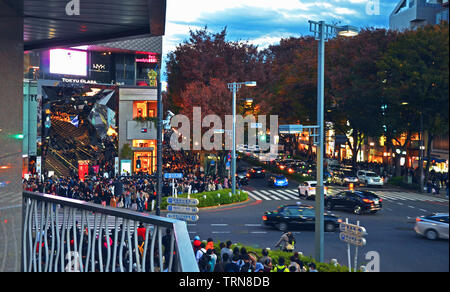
292, 194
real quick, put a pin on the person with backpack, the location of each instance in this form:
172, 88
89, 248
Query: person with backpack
204, 262
233, 266
247, 266
200, 252
280, 267
286, 242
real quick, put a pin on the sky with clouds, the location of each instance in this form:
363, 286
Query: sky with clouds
265, 22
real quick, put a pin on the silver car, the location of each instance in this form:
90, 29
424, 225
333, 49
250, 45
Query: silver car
432, 227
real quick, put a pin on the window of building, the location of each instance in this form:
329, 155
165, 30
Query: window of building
144, 109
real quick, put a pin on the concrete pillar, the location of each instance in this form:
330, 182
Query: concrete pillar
11, 122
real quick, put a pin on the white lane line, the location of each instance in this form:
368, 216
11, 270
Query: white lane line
423, 210
411, 207
272, 196
219, 224
221, 232
401, 204
258, 232
278, 193
252, 225
262, 196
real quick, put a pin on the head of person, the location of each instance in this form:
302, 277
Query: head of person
229, 243
225, 257
265, 252
281, 261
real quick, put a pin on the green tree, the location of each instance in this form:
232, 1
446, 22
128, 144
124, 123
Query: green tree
415, 73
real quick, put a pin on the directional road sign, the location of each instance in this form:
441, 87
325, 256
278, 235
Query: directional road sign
182, 201
352, 239
173, 175
184, 217
182, 209
353, 229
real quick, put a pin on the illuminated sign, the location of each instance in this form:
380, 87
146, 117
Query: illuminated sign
150, 59
68, 62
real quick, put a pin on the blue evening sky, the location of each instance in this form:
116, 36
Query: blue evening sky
265, 22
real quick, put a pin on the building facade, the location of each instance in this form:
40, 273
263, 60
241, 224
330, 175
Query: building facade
410, 14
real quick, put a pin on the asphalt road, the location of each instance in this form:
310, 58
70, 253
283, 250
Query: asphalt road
390, 232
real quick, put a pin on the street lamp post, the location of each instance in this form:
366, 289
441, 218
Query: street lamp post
234, 87
322, 33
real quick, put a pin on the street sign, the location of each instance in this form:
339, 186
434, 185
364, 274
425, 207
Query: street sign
352, 229
184, 217
173, 175
182, 209
352, 239
219, 131
182, 201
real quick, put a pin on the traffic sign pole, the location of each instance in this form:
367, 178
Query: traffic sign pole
348, 252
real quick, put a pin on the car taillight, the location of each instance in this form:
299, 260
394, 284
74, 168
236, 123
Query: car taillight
311, 188
381, 200
264, 170
367, 201
418, 219
264, 218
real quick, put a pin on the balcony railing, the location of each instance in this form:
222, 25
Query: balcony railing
66, 235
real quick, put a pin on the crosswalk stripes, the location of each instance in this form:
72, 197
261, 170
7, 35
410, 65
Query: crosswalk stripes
292, 194
270, 195
261, 195
278, 194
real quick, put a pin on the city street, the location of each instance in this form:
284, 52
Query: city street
390, 232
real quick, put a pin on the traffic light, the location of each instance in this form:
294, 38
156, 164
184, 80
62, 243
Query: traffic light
17, 136
138, 164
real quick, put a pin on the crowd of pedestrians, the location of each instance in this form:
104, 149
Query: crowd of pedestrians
227, 258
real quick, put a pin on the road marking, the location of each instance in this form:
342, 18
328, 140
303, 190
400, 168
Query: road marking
411, 207
219, 224
292, 192
272, 196
220, 232
279, 194
401, 204
293, 197
262, 196
423, 210
258, 232
253, 196
252, 225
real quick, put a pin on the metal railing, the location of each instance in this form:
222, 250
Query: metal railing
66, 235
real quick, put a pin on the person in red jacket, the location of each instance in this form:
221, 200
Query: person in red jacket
196, 244
210, 244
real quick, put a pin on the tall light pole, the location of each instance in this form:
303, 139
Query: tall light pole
322, 33
234, 87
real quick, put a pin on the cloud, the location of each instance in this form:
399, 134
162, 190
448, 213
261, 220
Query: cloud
265, 22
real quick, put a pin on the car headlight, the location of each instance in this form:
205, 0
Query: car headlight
346, 179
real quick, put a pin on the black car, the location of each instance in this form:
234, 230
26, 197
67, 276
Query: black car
357, 202
242, 176
257, 172
298, 217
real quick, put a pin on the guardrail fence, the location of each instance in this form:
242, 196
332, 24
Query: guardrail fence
66, 235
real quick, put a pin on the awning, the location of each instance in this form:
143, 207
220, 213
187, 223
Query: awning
59, 23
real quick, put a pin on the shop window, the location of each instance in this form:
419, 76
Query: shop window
144, 109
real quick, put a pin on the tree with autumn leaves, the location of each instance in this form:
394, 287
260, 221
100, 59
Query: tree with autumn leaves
376, 84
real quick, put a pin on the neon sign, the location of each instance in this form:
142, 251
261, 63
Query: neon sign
149, 59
